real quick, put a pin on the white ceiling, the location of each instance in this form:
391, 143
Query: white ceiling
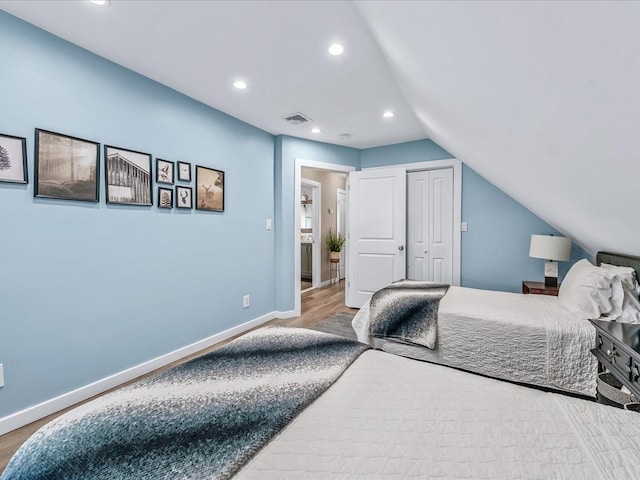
540, 98
279, 48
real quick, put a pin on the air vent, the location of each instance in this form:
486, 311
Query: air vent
297, 119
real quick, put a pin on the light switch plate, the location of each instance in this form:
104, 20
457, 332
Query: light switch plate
463, 227
1, 375
268, 224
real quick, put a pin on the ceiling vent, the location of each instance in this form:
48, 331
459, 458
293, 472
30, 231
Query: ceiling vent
297, 119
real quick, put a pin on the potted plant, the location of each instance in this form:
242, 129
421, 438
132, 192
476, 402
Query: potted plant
335, 242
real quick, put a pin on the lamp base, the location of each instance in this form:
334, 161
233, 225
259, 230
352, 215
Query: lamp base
550, 281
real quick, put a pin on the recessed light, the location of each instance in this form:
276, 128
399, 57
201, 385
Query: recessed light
240, 85
315, 130
336, 49
102, 3
388, 114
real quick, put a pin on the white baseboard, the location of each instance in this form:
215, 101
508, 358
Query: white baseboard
31, 414
285, 314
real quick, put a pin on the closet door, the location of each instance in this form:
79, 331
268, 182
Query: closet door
430, 225
377, 232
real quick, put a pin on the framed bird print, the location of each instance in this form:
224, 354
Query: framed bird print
184, 197
164, 171
184, 171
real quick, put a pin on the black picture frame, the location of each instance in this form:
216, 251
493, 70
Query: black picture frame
127, 175
13, 159
165, 171
165, 197
184, 197
209, 189
184, 171
66, 167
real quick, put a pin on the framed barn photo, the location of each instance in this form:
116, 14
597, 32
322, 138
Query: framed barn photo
184, 171
66, 167
13, 159
165, 197
128, 176
209, 189
164, 171
184, 197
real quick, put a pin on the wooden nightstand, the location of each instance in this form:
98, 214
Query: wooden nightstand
538, 288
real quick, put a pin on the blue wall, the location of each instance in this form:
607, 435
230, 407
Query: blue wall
88, 290
495, 249
287, 149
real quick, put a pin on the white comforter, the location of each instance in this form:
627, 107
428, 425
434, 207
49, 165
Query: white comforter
523, 338
390, 417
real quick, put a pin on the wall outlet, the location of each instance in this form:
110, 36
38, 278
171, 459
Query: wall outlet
1, 375
246, 301
268, 224
464, 227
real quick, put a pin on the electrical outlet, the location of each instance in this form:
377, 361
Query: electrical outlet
1, 375
464, 227
246, 301
268, 224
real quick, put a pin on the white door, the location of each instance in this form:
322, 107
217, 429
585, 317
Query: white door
377, 232
342, 227
430, 225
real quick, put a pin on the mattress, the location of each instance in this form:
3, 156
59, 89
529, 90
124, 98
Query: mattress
390, 417
523, 338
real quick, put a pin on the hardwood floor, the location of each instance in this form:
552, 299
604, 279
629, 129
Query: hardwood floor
317, 305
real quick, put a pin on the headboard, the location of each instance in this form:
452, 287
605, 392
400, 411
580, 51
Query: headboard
619, 259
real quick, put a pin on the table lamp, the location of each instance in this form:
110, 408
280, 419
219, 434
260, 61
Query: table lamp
550, 248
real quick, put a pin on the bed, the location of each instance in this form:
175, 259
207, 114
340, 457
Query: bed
376, 415
528, 339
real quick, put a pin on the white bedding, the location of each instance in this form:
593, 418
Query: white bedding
390, 417
523, 338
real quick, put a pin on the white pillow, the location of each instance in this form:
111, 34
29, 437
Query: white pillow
627, 276
630, 303
591, 292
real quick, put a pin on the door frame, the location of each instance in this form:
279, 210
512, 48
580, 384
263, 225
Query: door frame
340, 213
456, 165
316, 199
297, 178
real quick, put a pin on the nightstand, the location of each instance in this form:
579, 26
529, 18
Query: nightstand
538, 288
618, 351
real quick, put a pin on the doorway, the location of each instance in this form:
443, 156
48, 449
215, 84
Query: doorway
316, 166
310, 228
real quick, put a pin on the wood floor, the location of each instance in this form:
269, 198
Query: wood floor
317, 305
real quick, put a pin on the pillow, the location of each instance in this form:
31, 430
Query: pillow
627, 276
591, 292
630, 302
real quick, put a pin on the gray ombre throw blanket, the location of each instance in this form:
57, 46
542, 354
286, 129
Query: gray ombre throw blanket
407, 311
201, 419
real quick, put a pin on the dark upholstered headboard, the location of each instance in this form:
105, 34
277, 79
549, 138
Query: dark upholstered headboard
619, 259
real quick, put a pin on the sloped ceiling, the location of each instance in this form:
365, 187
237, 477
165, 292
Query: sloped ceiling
540, 98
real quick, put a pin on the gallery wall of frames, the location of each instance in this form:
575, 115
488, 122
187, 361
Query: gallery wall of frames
69, 168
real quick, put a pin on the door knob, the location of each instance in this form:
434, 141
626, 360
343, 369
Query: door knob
401, 247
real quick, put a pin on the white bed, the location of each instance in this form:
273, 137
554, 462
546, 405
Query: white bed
390, 417
523, 338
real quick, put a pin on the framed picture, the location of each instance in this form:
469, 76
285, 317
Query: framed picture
184, 171
184, 197
165, 197
13, 159
164, 171
66, 167
128, 176
209, 189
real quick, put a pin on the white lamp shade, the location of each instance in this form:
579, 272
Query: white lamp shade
550, 247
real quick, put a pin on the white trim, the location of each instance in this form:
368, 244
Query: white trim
340, 213
457, 201
285, 314
297, 178
325, 283
53, 405
316, 204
